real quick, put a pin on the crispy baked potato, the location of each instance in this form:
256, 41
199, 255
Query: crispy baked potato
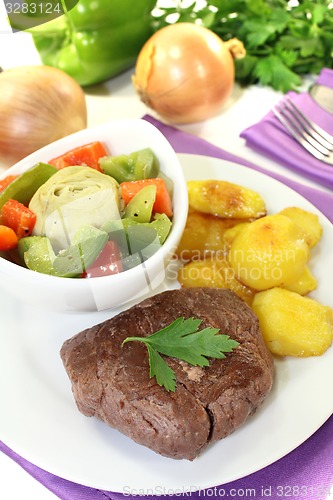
293, 325
214, 272
225, 199
307, 222
269, 252
203, 236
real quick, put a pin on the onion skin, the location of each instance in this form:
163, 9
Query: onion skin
38, 105
184, 72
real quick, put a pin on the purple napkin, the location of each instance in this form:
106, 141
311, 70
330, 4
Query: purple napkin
304, 473
326, 77
269, 137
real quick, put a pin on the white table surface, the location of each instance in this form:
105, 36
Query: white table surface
117, 99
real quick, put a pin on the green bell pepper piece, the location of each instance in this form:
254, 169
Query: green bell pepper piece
142, 164
37, 254
86, 246
26, 184
162, 224
24, 244
140, 207
95, 40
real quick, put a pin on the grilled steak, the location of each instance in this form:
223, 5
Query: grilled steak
112, 382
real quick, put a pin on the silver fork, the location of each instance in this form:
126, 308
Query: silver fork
313, 138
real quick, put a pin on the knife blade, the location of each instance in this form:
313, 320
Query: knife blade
323, 96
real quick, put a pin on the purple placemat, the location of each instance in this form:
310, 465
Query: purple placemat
269, 137
306, 472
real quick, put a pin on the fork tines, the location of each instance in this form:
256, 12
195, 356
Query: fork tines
312, 137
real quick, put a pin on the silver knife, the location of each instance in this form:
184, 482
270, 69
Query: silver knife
323, 96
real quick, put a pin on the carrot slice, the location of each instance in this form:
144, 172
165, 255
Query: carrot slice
87, 155
18, 217
8, 238
163, 203
6, 181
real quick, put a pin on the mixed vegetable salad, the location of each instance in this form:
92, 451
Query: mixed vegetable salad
86, 213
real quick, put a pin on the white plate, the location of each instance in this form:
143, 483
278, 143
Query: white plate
40, 421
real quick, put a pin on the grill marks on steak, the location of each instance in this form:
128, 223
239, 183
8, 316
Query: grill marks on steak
112, 382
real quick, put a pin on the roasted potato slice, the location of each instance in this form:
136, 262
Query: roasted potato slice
305, 284
231, 233
225, 199
308, 223
269, 252
203, 236
214, 272
293, 325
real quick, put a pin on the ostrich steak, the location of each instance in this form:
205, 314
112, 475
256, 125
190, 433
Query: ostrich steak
112, 382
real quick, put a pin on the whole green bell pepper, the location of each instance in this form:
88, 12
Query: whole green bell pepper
96, 39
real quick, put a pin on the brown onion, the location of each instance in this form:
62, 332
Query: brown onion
185, 72
38, 105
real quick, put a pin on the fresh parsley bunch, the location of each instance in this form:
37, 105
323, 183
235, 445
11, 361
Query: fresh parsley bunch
284, 40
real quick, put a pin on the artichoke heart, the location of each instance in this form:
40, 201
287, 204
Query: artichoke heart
73, 197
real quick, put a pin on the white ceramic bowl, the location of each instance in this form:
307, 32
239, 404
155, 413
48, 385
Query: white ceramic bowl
68, 294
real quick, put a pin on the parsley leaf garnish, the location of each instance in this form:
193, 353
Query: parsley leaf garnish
183, 340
